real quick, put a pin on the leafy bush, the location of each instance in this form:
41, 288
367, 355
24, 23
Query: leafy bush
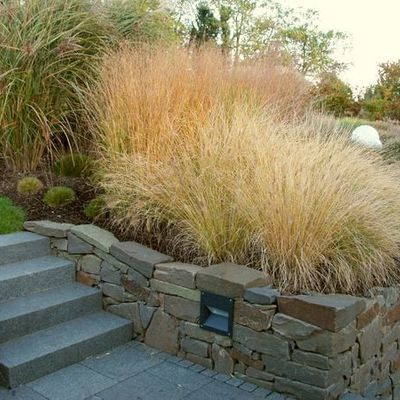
11, 217
29, 185
94, 208
216, 163
74, 165
59, 196
48, 54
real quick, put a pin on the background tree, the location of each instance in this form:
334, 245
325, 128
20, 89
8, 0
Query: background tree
311, 49
207, 26
334, 96
382, 100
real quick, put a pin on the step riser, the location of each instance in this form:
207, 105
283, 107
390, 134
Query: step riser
45, 365
45, 318
24, 250
37, 282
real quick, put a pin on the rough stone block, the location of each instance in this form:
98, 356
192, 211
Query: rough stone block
223, 362
311, 359
140, 293
205, 362
169, 288
87, 279
146, 314
368, 315
90, 264
179, 274
139, 257
128, 311
48, 228
230, 280
181, 308
255, 317
59, 244
95, 236
293, 328
111, 260
330, 312
168, 340
298, 372
194, 331
262, 295
109, 273
78, 246
138, 278
392, 315
370, 339
262, 342
330, 343
246, 359
194, 346
114, 291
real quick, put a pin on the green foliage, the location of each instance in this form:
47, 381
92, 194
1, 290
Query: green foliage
59, 196
141, 21
74, 165
94, 208
334, 96
29, 185
11, 217
382, 100
48, 54
206, 28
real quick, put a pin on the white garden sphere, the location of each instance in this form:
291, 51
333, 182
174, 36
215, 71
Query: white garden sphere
367, 136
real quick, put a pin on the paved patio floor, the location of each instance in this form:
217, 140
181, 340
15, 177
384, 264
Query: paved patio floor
136, 372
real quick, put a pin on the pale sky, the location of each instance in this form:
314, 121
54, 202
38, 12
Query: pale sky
374, 29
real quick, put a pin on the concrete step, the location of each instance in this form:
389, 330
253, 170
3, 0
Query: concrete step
28, 314
21, 246
33, 276
30, 357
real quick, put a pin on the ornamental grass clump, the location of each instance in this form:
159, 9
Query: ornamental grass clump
59, 196
48, 54
29, 185
219, 163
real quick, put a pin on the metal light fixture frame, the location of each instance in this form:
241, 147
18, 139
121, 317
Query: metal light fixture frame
223, 324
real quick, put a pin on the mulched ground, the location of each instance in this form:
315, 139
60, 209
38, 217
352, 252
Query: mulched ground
33, 205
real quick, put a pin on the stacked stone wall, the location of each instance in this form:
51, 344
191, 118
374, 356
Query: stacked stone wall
312, 347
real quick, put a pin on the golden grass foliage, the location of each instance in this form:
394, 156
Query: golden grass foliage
215, 160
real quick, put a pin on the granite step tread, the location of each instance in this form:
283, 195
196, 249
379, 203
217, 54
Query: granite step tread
29, 357
35, 275
20, 246
27, 314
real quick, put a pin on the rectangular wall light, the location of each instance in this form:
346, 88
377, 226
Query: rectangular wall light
216, 313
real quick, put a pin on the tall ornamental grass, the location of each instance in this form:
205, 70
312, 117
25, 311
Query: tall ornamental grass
222, 163
48, 54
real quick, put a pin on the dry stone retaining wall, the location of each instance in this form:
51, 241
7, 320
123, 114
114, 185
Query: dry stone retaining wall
313, 347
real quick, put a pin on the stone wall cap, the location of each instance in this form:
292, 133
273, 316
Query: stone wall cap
331, 312
48, 228
230, 280
95, 236
265, 295
139, 257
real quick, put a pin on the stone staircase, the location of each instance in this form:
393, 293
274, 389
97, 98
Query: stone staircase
47, 320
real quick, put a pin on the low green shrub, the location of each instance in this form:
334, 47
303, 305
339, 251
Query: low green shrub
73, 165
59, 196
11, 217
94, 208
29, 185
